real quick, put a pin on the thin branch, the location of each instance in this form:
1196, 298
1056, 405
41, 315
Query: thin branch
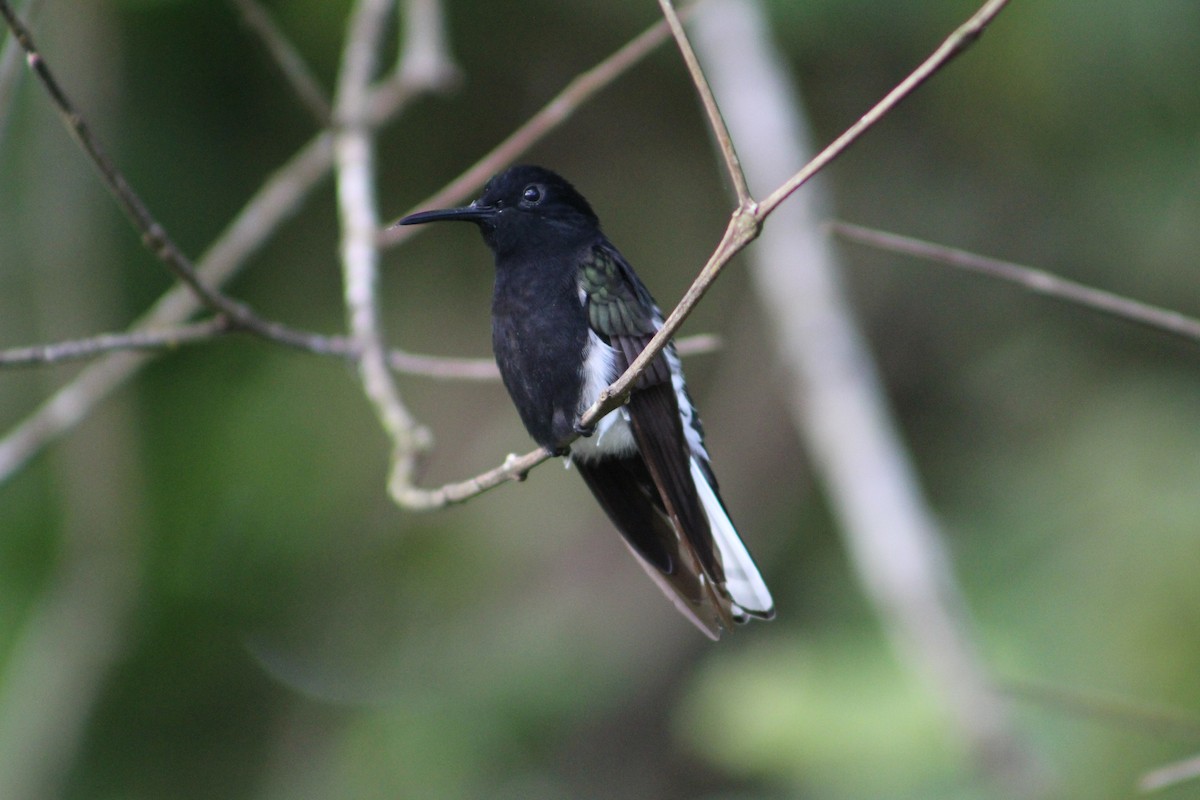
354, 155
965, 36
154, 235
746, 222
715, 121
425, 58
1034, 280
743, 228
1170, 775
277, 199
1112, 710
10, 70
78, 349
287, 58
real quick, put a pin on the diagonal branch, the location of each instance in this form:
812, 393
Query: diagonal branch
154, 235
10, 69
287, 58
715, 121
962, 38
746, 222
1034, 280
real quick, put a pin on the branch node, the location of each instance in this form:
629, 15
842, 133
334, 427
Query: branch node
510, 462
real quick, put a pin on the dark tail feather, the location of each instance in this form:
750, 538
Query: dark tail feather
628, 495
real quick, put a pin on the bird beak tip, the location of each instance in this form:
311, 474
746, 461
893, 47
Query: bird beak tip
471, 213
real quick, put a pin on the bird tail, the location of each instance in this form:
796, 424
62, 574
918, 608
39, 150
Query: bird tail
743, 581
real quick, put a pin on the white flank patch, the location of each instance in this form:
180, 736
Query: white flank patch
742, 580
613, 436
686, 413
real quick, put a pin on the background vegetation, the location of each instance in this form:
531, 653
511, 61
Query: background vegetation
267, 624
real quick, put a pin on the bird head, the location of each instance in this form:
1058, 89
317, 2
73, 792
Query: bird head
524, 206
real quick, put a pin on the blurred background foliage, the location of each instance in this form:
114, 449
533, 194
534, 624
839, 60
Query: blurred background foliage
266, 624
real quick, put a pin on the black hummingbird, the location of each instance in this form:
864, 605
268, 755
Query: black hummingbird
568, 316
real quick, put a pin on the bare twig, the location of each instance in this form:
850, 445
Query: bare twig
965, 36
354, 154
425, 50
10, 69
1035, 280
742, 229
276, 200
287, 58
746, 222
1171, 775
77, 349
715, 121
154, 236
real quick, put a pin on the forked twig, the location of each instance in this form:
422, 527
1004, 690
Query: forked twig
715, 121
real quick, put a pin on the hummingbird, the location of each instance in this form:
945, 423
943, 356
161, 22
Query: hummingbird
569, 315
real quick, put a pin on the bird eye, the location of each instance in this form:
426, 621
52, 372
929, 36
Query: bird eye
533, 194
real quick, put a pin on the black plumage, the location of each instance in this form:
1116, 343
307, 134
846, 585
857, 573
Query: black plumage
568, 316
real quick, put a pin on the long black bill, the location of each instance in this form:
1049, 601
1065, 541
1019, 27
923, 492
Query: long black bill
465, 214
